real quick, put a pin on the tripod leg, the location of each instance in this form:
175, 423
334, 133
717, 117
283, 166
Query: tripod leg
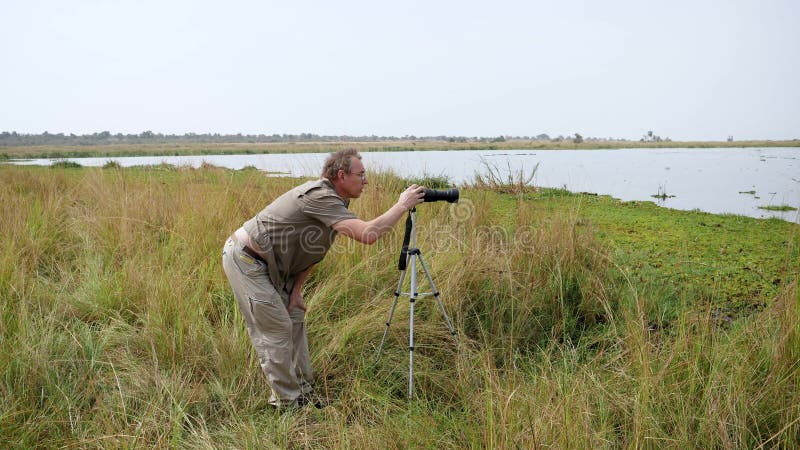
438, 299
391, 313
411, 337
412, 298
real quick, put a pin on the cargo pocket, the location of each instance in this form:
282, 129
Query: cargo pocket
248, 265
255, 301
270, 318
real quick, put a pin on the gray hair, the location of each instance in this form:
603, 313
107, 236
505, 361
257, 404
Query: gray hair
339, 161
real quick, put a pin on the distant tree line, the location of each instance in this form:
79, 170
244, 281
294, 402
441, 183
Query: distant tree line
12, 138
652, 137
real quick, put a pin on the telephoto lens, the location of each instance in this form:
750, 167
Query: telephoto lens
435, 195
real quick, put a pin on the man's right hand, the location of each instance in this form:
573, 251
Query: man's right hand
412, 196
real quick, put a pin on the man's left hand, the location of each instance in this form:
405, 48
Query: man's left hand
296, 301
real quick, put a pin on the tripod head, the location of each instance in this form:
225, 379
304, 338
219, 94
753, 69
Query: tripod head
431, 195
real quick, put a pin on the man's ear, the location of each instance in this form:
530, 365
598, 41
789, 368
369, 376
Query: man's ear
340, 174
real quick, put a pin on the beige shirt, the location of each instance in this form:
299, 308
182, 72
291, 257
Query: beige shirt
297, 228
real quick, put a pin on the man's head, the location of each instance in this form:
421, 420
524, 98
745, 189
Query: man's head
345, 171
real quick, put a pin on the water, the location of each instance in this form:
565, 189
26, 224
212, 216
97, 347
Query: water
713, 180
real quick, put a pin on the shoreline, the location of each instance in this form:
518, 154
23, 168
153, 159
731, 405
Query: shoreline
189, 149
781, 211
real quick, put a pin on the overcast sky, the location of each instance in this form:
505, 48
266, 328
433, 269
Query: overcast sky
700, 69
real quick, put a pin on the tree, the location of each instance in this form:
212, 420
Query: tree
651, 137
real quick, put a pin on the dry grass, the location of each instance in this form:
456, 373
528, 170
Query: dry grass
112, 150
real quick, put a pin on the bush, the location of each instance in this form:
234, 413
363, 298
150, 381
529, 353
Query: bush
431, 181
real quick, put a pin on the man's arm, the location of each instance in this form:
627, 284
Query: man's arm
296, 296
369, 232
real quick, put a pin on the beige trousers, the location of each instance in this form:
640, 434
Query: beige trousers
278, 336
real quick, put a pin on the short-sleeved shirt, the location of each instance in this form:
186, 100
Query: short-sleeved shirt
297, 227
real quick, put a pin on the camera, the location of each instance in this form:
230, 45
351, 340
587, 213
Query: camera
435, 195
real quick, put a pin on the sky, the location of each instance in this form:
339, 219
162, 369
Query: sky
686, 70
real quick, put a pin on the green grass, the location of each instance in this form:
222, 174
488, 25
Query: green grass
585, 322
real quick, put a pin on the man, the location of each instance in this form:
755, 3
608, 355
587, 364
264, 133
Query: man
268, 259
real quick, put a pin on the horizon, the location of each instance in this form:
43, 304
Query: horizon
616, 70
309, 137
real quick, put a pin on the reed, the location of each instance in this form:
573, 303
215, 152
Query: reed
118, 328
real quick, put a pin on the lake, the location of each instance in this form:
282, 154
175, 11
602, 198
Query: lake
718, 180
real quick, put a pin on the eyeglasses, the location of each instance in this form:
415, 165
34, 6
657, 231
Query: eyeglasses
362, 175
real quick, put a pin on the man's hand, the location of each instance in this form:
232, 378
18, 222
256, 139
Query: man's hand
412, 196
296, 301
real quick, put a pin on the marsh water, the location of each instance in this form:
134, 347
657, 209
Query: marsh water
718, 180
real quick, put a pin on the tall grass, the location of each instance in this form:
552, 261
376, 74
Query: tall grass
118, 329
512, 180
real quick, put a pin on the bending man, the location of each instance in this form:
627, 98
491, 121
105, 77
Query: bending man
268, 259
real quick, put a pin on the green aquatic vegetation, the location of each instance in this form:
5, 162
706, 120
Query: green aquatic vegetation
778, 208
734, 261
65, 165
112, 164
662, 194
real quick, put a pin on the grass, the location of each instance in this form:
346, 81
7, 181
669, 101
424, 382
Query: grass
118, 150
515, 181
585, 322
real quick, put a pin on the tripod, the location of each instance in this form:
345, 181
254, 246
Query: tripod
412, 254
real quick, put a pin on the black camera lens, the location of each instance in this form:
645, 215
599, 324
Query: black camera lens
435, 195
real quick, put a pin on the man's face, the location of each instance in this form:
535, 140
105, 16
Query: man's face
352, 184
